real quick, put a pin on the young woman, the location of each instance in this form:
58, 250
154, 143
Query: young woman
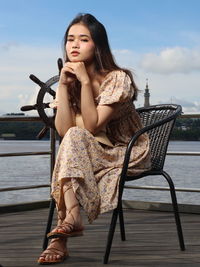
96, 118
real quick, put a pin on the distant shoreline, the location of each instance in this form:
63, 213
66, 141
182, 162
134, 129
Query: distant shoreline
185, 129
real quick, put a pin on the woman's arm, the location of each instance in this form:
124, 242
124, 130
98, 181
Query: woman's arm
94, 118
64, 116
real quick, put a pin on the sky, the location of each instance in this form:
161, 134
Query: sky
158, 40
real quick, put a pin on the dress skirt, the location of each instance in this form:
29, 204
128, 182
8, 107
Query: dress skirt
94, 170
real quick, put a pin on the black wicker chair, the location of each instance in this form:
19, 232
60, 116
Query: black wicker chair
158, 122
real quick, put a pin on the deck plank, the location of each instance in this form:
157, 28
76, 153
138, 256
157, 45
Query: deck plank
151, 240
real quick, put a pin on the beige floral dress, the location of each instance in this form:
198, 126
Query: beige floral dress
94, 168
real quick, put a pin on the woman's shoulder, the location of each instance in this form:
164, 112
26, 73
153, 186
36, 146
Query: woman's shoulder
116, 87
116, 73
114, 76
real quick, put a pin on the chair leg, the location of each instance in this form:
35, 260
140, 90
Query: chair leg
176, 211
121, 223
49, 222
110, 235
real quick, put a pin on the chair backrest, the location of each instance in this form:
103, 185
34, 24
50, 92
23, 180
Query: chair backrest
160, 135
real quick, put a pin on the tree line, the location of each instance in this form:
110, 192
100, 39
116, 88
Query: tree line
21, 130
184, 129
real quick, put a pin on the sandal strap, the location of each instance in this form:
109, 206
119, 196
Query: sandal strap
64, 225
69, 212
59, 217
67, 187
74, 206
53, 251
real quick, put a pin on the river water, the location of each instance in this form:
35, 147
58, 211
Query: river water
34, 170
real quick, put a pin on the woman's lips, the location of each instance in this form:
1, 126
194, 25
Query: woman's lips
75, 53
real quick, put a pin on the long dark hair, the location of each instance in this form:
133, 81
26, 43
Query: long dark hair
104, 61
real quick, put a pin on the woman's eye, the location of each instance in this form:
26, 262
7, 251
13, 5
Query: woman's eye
84, 40
69, 40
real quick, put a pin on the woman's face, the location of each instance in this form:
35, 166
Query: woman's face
80, 46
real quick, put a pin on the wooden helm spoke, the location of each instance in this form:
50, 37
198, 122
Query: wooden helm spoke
45, 89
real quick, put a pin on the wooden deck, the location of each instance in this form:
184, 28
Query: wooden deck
151, 240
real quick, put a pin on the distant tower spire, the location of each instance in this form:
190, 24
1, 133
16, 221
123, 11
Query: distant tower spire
146, 95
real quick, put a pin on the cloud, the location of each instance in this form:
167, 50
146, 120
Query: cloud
188, 106
29, 99
8, 46
178, 87
17, 63
125, 58
172, 60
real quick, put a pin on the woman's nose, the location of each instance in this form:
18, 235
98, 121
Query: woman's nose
75, 44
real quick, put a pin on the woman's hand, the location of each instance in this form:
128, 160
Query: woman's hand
78, 70
66, 75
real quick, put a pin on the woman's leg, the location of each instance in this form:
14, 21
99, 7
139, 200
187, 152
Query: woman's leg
72, 223
69, 224
73, 215
57, 249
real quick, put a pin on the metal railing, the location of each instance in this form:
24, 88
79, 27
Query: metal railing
173, 153
52, 154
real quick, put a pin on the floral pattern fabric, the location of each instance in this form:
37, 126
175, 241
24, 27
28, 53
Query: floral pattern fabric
93, 168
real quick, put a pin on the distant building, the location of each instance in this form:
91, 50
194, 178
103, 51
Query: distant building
14, 114
8, 136
146, 95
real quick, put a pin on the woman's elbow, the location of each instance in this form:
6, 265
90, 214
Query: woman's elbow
61, 130
93, 130
61, 133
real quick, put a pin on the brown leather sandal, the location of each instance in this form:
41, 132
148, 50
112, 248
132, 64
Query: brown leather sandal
52, 251
66, 229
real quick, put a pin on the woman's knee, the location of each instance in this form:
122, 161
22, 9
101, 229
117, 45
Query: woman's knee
76, 132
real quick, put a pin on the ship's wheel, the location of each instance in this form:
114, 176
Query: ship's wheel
41, 106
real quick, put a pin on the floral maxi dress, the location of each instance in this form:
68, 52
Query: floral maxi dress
95, 168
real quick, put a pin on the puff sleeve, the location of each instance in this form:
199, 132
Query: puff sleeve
116, 88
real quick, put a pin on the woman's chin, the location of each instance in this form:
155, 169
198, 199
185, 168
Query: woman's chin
75, 60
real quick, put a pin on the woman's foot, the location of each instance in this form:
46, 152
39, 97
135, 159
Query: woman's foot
71, 226
55, 253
